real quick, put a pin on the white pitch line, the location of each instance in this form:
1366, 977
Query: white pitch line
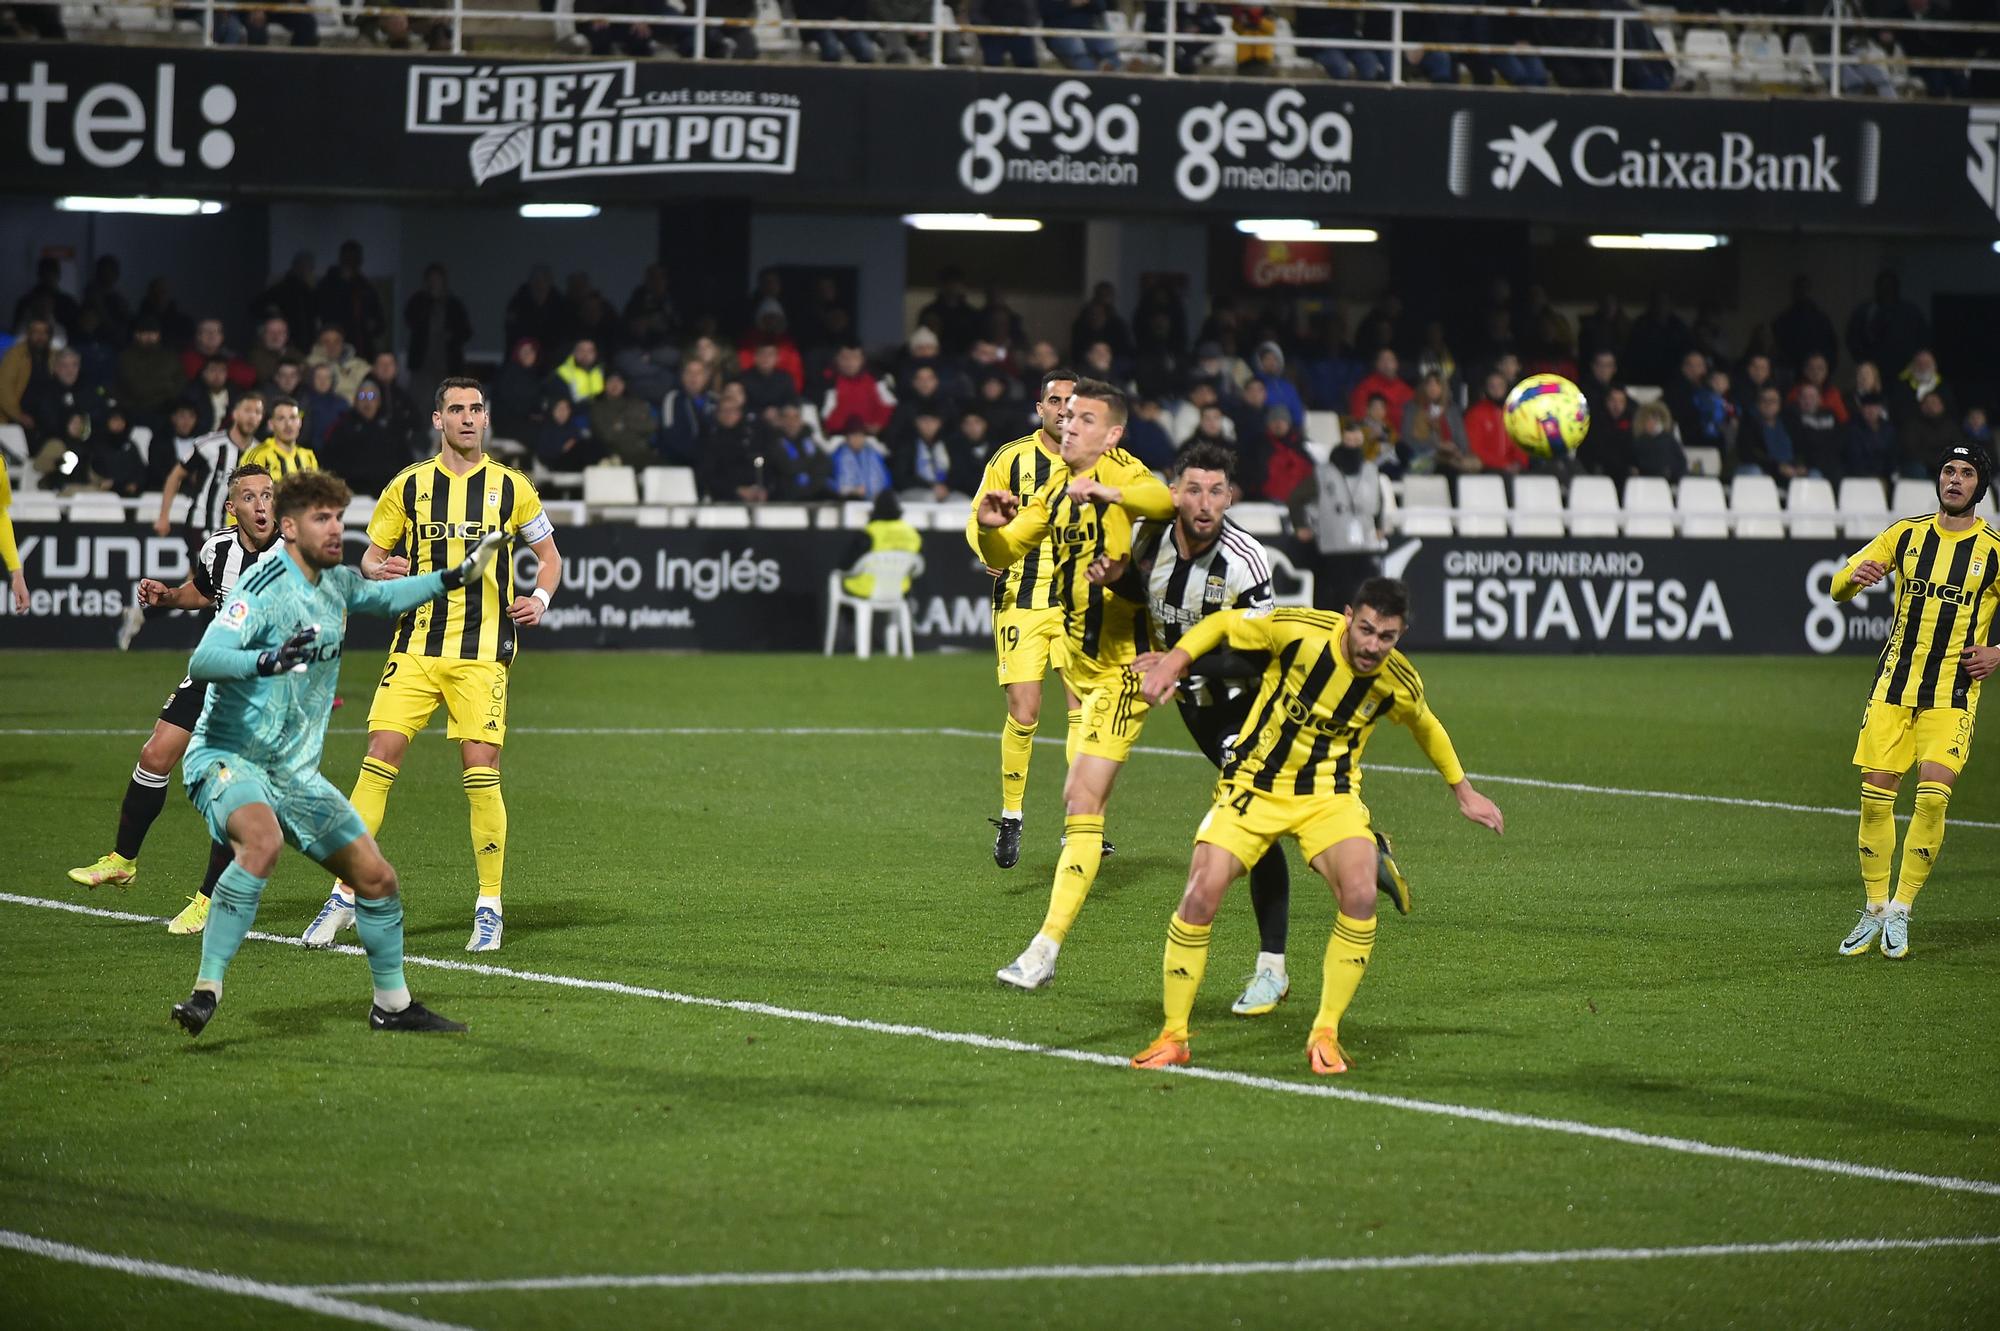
954, 732
1315, 1090
291, 1296
940, 1275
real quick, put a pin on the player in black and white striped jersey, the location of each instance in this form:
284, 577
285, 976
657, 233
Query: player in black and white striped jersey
223, 558
208, 462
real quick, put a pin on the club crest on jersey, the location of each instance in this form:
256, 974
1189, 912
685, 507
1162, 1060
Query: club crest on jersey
235, 614
492, 499
453, 531
1978, 567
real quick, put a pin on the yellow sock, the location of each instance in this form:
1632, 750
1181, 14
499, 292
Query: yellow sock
1181, 971
1073, 740
1878, 842
1017, 746
1921, 842
1083, 847
371, 793
489, 826
1347, 955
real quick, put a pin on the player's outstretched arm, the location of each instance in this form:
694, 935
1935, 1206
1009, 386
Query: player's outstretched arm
187, 596
1009, 529
1478, 808
396, 595
1430, 735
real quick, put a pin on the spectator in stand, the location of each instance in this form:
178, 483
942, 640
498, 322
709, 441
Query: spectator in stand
1384, 382
1802, 329
1486, 427
997, 49
210, 396
651, 318
149, 374
1099, 363
1596, 381
1519, 67
1887, 329
1813, 372
1765, 447
47, 299
291, 297
1871, 438
345, 296
436, 327
1421, 62
322, 407
796, 464
287, 380
1938, 81
516, 398
771, 331
207, 343
954, 317
1285, 460
1925, 435
180, 434
623, 424
1435, 355
603, 37
1365, 63
1099, 322
1380, 439
830, 42
1718, 402
1255, 27
1686, 402
1279, 390
1607, 445
64, 398
274, 344
365, 446
731, 468
1655, 451
1658, 341
1606, 328
399, 400
859, 469
855, 395
537, 311
101, 295
1977, 428
1146, 435
1212, 427
1434, 436
158, 302
923, 461
1246, 417
737, 41
766, 386
330, 349
302, 25
564, 442
1329, 367
687, 413
1076, 52
113, 461
1337, 517
1919, 380
1755, 378
977, 435
581, 376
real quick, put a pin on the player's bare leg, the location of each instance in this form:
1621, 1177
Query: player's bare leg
379, 922
488, 815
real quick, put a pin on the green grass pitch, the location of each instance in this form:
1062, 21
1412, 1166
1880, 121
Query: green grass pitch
1621, 960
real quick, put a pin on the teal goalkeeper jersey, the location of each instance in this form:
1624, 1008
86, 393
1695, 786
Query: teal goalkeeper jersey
279, 721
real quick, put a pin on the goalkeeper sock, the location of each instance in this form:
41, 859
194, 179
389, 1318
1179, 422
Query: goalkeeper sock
1073, 738
235, 910
371, 792
1181, 971
380, 925
145, 796
1017, 746
220, 857
489, 826
1083, 848
1922, 841
1347, 953
1878, 842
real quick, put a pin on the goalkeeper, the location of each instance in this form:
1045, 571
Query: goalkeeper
272, 656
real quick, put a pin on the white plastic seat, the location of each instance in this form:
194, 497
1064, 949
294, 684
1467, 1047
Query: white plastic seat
1863, 507
1703, 461
96, 506
889, 568
1707, 57
1538, 506
1649, 508
669, 485
35, 506
1482, 506
1810, 509
1426, 506
1704, 508
727, 516
1323, 426
1259, 519
1760, 54
1803, 62
1298, 583
359, 510
607, 487
1912, 497
781, 517
1753, 508
1593, 506
13, 444
1642, 394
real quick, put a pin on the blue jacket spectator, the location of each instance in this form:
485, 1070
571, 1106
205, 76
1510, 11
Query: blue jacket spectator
859, 469
1278, 390
685, 415
1079, 53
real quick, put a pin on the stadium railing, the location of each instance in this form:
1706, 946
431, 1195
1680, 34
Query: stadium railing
1831, 54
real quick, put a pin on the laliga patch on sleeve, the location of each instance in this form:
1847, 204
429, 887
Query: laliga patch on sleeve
235, 614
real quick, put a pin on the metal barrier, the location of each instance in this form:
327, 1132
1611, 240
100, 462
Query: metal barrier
1852, 61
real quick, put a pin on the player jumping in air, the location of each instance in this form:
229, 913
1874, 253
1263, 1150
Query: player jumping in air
1297, 772
272, 657
1945, 643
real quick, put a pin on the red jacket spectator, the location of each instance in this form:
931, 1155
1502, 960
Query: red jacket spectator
1486, 434
1383, 382
855, 395
789, 359
208, 342
1284, 467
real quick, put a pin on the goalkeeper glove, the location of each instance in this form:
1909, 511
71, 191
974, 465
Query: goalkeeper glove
294, 655
475, 562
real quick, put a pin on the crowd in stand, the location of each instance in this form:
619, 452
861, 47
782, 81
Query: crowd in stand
778, 400
1077, 35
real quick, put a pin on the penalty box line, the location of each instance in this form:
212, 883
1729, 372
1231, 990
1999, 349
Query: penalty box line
1276, 1085
955, 732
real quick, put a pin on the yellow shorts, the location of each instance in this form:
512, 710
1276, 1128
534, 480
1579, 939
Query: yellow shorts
474, 694
1893, 739
1028, 643
1246, 821
1114, 711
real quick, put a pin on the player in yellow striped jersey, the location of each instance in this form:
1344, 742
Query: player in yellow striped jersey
1085, 514
1296, 771
281, 454
1027, 608
1945, 643
457, 649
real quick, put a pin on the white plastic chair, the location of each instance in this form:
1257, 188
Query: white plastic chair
1706, 57
96, 506
1482, 506
1300, 582
890, 569
1538, 506
727, 516
669, 485
1762, 55
1704, 509
1593, 506
1259, 519
1810, 509
13, 444
35, 506
1426, 506
1649, 508
359, 510
609, 487
781, 517
1753, 508
1863, 508
1704, 461
1913, 497
1323, 426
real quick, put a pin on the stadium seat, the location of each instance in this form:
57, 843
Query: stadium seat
1810, 509
726, 516
826, 517
359, 509
780, 517
1593, 506
1753, 508
1704, 461
96, 506
1760, 53
35, 506
1538, 506
889, 568
1863, 507
1704, 509
1649, 508
1426, 506
1806, 71
1911, 497
1482, 506
654, 515
1707, 59
606, 487
1323, 427
1290, 584
1259, 519
669, 485
13, 444
1642, 394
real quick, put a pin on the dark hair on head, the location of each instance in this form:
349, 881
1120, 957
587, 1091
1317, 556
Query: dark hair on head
221, 360
887, 508
311, 489
1060, 374
1112, 396
246, 471
455, 381
248, 395
1388, 597
1203, 456
277, 402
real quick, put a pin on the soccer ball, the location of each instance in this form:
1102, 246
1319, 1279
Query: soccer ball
1547, 415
